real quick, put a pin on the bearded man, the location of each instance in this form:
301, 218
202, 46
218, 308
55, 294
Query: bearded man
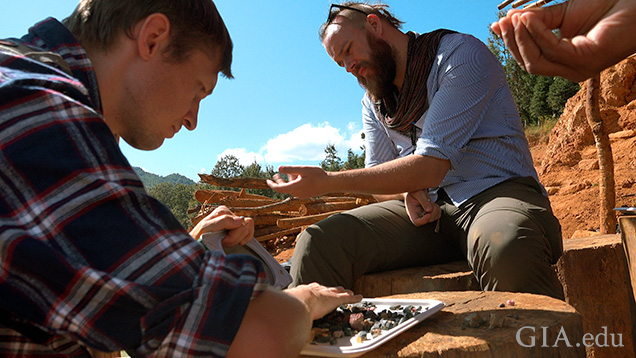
446, 157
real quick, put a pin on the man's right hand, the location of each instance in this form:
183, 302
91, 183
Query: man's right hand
593, 35
277, 323
320, 299
304, 181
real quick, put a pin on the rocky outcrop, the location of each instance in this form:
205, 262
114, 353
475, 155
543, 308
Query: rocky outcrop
618, 110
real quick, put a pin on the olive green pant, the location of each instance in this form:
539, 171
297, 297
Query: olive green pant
508, 234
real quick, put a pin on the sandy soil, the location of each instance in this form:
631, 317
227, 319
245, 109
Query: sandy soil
576, 203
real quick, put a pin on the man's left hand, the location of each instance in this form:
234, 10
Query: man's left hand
420, 208
240, 229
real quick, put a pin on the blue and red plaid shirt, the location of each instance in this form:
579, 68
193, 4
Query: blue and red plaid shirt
88, 258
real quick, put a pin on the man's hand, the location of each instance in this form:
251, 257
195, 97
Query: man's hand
277, 323
420, 208
593, 36
304, 181
240, 229
321, 300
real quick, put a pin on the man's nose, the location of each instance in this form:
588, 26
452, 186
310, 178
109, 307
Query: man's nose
190, 123
190, 119
350, 65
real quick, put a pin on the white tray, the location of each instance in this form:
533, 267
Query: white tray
349, 347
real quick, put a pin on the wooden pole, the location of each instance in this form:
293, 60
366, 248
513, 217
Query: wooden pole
607, 191
515, 5
368, 197
504, 4
537, 4
245, 202
289, 204
267, 230
247, 183
213, 195
270, 219
294, 230
316, 208
304, 220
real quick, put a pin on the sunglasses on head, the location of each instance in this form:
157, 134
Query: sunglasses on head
335, 9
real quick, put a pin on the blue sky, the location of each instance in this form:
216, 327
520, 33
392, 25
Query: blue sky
288, 99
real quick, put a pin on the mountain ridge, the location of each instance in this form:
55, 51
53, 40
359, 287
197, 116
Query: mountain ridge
151, 179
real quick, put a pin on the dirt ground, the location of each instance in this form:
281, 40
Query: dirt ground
567, 160
576, 198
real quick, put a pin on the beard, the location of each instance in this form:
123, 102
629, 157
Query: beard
382, 68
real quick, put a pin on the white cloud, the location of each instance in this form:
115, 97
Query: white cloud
355, 140
353, 127
245, 158
303, 145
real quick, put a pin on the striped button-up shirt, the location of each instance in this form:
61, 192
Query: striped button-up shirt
87, 257
472, 121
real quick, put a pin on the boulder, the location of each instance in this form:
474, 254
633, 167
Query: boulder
594, 275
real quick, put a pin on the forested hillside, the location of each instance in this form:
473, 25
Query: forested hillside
150, 179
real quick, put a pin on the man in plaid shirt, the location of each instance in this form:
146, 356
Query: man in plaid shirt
88, 259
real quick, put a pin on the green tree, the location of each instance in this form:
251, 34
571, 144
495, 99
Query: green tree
177, 197
149, 179
520, 82
228, 167
332, 162
529, 91
539, 107
269, 171
354, 161
255, 170
559, 93
522, 92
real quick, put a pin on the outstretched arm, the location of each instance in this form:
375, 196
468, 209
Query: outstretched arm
593, 36
406, 174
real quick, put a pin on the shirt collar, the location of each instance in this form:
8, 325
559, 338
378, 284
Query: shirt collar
52, 35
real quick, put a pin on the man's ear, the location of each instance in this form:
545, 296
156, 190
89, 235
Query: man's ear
374, 24
153, 35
